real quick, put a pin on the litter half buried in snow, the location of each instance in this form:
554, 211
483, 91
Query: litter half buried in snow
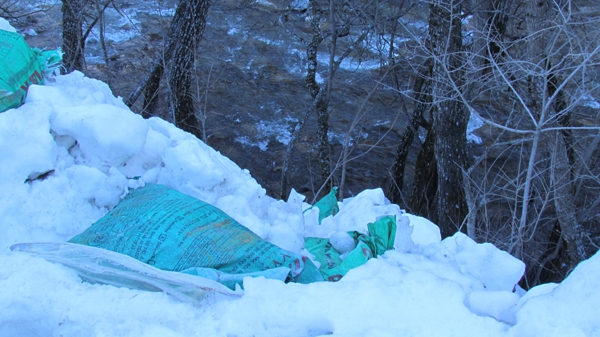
21, 66
99, 161
175, 232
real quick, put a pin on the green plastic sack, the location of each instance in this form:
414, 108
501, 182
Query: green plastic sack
327, 205
381, 238
173, 231
382, 235
21, 66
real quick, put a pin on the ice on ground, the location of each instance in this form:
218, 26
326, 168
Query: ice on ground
265, 3
299, 5
590, 102
474, 124
269, 129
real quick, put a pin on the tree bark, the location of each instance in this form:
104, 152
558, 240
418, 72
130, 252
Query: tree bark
572, 231
422, 198
177, 62
322, 103
450, 116
73, 42
423, 100
495, 28
563, 176
185, 33
151, 90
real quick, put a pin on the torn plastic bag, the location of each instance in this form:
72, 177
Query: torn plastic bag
327, 205
173, 231
334, 265
21, 66
97, 265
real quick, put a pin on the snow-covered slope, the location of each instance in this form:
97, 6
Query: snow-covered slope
72, 151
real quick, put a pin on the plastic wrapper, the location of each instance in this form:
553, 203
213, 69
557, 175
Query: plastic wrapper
97, 265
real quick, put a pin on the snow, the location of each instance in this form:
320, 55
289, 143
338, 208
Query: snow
266, 130
496, 269
5, 25
72, 151
474, 124
265, 3
589, 101
30, 32
568, 309
342, 242
123, 25
299, 5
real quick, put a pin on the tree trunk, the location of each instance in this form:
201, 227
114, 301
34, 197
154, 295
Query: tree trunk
495, 28
290, 146
450, 116
184, 34
423, 100
151, 90
73, 42
322, 104
572, 231
323, 145
563, 176
422, 197
177, 61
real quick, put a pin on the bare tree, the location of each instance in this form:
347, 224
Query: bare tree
338, 25
437, 188
18, 9
177, 60
77, 15
73, 37
526, 70
322, 99
536, 73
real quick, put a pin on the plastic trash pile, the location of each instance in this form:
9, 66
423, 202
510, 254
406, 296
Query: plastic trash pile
171, 231
21, 66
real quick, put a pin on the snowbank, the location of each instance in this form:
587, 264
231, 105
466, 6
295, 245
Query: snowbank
73, 150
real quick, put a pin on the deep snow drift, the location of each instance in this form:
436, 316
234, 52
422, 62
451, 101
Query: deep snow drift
72, 151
